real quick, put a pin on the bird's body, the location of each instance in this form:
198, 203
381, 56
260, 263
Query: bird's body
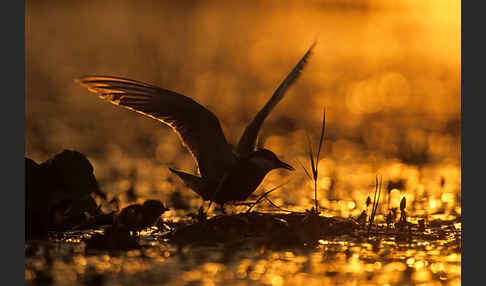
226, 174
137, 217
238, 183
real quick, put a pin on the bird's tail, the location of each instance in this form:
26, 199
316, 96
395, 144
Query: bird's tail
194, 182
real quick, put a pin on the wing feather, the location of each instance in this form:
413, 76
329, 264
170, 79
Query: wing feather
247, 142
198, 128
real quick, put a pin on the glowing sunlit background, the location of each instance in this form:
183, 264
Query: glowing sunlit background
387, 73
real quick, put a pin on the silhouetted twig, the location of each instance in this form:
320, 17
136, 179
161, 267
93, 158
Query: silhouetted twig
376, 201
265, 194
273, 204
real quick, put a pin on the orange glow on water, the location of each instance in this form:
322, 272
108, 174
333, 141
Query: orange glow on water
387, 72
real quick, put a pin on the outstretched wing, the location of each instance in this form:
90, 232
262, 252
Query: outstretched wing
247, 141
198, 128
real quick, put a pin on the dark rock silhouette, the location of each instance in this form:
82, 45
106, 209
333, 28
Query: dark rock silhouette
57, 193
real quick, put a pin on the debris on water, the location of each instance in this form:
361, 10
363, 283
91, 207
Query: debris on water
362, 218
421, 225
403, 215
391, 217
271, 229
399, 184
403, 204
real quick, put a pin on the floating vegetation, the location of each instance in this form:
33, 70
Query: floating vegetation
273, 230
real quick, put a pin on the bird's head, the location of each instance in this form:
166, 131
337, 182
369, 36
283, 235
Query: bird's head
267, 160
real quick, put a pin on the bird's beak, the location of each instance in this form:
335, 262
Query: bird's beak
286, 166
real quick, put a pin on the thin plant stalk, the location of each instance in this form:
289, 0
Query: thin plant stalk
315, 162
376, 201
265, 194
315, 171
314, 174
274, 205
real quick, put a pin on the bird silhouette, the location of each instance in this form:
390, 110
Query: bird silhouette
140, 216
226, 175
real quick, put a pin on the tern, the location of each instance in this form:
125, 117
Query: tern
226, 175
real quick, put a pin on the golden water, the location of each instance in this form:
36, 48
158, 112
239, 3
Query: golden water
387, 73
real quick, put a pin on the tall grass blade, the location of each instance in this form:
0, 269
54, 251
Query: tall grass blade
311, 157
376, 201
321, 139
306, 172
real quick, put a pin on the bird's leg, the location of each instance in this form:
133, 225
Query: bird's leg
222, 208
220, 186
201, 214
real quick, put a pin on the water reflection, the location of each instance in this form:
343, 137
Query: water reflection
333, 262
